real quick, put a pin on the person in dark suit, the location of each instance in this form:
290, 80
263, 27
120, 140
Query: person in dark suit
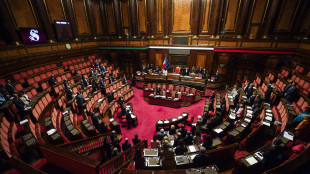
256, 111
80, 101
69, 93
121, 101
114, 152
82, 84
273, 156
107, 147
94, 86
124, 80
268, 93
201, 159
52, 80
236, 99
91, 72
177, 139
204, 73
258, 100
157, 70
94, 120
103, 69
112, 78
9, 87
199, 70
126, 145
113, 135
161, 134
183, 131
96, 63
66, 83
133, 80
136, 140
216, 75
223, 110
158, 90
129, 119
180, 149
249, 92
212, 95
247, 87
172, 130
290, 92
252, 98
20, 106
3, 91
186, 72
152, 67
110, 97
214, 121
101, 84
189, 138
287, 86
207, 142
85, 81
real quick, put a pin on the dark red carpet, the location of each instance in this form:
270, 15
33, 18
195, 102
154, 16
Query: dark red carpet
148, 115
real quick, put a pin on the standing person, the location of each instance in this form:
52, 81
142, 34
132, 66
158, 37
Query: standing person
201, 159
136, 140
107, 147
126, 145
158, 90
180, 149
133, 80
124, 80
110, 97
216, 75
204, 73
188, 140
168, 160
129, 119
138, 159
101, 84
80, 101
182, 130
268, 93
9, 87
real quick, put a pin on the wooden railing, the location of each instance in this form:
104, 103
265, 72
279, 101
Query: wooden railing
86, 145
115, 164
23, 167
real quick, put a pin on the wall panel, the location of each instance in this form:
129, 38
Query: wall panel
22, 12
259, 11
142, 15
181, 15
206, 15
159, 15
287, 15
55, 10
201, 60
80, 13
125, 15
232, 10
158, 59
97, 17
110, 17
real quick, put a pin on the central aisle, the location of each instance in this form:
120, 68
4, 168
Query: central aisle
148, 115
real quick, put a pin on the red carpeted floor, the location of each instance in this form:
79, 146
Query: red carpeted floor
148, 115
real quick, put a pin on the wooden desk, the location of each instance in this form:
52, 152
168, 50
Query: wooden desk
153, 100
166, 124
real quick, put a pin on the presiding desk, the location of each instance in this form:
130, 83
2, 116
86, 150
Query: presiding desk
164, 101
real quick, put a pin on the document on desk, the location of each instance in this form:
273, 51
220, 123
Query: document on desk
266, 123
192, 148
288, 136
268, 118
218, 130
251, 160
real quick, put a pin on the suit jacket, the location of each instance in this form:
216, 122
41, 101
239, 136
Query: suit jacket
96, 63
291, 91
101, 82
128, 117
160, 136
201, 160
288, 86
172, 131
11, 89
19, 104
158, 91
157, 70
103, 68
136, 141
95, 121
126, 145
268, 94
204, 74
4, 94
85, 81
66, 83
251, 99
99, 69
273, 156
186, 72
188, 140
80, 100
52, 80
110, 97
69, 93
82, 85
216, 76
183, 132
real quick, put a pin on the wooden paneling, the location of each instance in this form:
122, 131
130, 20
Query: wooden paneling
142, 15
201, 60
80, 16
55, 10
159, 15
259, 11
287, 15
181, 15
253, 33
158, 59
206, 15
306, 23
125, 15
232, 10
223, 59
97, 17
22, 12
110, 17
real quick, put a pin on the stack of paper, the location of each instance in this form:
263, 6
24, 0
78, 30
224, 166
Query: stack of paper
288, 136
218, 130
251, 160
192, 148
51, 131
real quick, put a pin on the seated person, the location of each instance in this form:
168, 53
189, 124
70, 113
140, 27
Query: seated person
207, 142
85, 81
177, 139
273, 156
24, 98
158, 90
188, 140
69, 93
239, 113
303, 130
20, 106
114, 152
172, 131
136, 140
94, 86
201, 159
52, 80
110, 97
186, 72
180, 149
197, 137
287, 86
9, 87
268, 93
2, 100
290, 92
3, 92
301, 116
204, 73
66, 83
216, 75
161, 134
183, 131
124, 80
155, 142
94, 120
157, 70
